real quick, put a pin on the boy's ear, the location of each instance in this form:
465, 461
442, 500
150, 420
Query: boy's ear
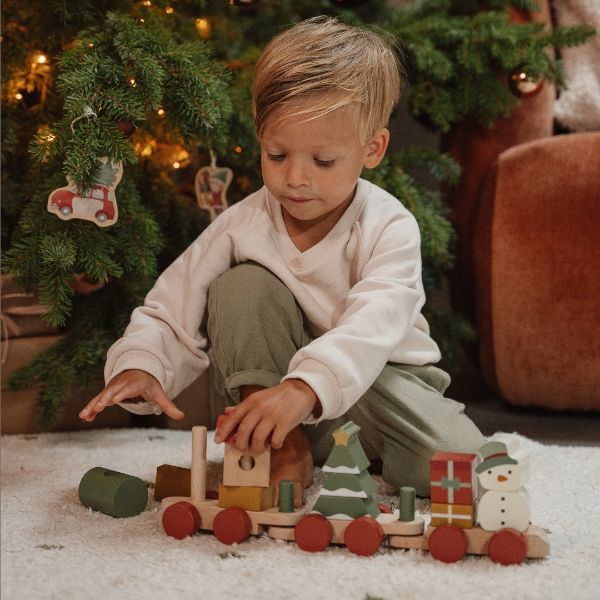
376, 148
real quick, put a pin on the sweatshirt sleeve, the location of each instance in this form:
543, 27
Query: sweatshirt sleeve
381, 307
164, 336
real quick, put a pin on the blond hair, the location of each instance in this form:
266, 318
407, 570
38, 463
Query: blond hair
322, 64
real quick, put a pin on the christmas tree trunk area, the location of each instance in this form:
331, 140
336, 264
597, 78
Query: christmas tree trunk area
127, 128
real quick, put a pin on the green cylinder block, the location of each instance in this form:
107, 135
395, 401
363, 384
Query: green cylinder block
286, 496
113, 493
407, 503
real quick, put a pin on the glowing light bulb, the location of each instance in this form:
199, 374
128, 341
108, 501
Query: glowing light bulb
169, 10
161, 112
19, 96
40, 59
176, 164
203, 28
238, 149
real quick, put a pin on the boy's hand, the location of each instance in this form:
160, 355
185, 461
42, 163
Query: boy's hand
268, 415
126, 385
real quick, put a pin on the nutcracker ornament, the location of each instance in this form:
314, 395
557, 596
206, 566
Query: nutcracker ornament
98, 204
211, 183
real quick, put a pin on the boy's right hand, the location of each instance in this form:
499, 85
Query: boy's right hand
130, 384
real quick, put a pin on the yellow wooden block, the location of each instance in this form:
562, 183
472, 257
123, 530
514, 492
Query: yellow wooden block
246, 497
460, 515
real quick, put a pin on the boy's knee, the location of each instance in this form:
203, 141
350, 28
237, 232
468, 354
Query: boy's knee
248, 286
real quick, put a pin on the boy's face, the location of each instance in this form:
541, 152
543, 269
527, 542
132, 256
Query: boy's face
312, 168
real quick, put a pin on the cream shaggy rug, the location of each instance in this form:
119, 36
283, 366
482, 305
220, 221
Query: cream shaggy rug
54, 548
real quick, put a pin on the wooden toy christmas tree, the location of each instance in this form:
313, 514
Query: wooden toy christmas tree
347, 491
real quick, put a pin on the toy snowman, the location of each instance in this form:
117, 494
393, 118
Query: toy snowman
502, 475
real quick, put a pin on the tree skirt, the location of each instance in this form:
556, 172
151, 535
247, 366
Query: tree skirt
53, 547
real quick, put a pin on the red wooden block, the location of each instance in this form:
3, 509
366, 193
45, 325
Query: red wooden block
453, 479
231, 437
232, 526
507, 547
313, 533
363, 536
180, 520
448, 543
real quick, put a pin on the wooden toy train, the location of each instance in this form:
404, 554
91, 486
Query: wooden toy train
345, 512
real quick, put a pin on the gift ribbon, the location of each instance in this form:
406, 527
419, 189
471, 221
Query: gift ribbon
9, 326
451, 483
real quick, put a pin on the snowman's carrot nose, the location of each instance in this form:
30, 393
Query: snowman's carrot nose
502, 478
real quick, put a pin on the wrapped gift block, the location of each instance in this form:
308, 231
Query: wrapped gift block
453, 479
461, 515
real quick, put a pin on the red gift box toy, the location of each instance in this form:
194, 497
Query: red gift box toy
453, 479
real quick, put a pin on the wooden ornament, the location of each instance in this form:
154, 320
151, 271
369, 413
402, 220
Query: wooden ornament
98, 205
210, 184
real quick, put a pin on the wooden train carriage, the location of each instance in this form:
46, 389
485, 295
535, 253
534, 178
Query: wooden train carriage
313, 532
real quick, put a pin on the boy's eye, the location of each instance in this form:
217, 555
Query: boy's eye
324, 163
276, 157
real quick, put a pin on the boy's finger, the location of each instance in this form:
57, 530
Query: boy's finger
245, 431
160, 398
278, 437
261, 437
228, 425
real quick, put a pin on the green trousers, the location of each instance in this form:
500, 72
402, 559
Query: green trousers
255, 326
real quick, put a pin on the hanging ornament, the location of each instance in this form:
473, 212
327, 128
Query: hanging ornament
99, 204
126, 127
211, 183
522, 84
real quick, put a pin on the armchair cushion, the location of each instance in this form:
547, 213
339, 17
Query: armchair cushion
537, 264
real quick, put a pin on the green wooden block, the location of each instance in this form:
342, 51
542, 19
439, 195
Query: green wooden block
113, 493
286, 496
348, 506
407, 503
347, 455
356, 483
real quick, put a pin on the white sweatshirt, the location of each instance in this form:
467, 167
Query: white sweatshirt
360, 289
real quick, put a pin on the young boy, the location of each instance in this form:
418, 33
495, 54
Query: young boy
307, 292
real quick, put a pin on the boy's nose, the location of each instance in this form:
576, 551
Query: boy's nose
296, 175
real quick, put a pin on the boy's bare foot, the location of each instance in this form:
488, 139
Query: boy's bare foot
293, 461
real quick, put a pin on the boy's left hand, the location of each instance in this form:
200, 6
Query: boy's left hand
268, 415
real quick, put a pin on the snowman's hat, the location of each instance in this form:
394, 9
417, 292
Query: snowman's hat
493, 454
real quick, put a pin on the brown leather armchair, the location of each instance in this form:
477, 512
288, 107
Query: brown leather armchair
527, 214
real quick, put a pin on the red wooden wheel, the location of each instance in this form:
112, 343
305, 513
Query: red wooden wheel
232, 526
313, 533
448, 543
363, 536
507, 547
181, 519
